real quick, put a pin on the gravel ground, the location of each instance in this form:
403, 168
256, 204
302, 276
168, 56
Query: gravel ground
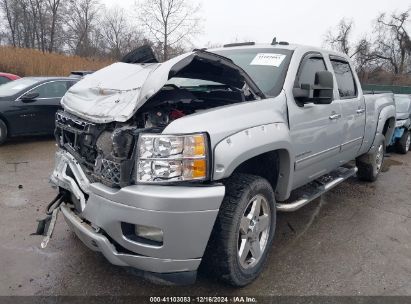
354, 240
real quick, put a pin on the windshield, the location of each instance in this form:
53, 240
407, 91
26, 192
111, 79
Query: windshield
402, 103
13, 87
267, 67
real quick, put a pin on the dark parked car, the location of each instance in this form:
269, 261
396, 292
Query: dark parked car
28, 105
7, 77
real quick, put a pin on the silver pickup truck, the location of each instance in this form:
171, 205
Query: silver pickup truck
164, 166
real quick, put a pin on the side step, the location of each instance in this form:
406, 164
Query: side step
305, 194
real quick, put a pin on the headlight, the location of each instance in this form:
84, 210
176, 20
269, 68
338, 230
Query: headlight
400, 123
170, 158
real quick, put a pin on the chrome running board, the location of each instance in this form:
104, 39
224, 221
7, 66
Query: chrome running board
305, 194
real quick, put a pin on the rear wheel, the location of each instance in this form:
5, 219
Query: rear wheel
403, 145
3, 132
370, 165
243, 232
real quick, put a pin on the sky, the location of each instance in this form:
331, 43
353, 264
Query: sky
295, 21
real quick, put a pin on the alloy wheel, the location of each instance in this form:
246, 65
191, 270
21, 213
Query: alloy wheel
254, 231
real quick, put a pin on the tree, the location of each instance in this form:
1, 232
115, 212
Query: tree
54, 7
392, 44
82, 23
170, 23
11, 11
118, 34
340, 41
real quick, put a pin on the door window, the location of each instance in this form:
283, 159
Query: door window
55, 89
308, 69
345, 79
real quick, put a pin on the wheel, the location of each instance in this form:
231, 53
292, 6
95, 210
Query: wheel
243, 231
369, 165
404, 144
3, 132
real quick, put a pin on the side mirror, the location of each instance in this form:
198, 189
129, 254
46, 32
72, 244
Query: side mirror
319, 93
29, 97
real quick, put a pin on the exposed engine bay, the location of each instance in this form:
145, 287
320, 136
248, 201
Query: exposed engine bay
107, 152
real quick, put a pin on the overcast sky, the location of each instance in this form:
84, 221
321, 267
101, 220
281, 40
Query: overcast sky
295, 21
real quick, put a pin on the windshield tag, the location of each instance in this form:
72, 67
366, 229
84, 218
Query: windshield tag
269, 59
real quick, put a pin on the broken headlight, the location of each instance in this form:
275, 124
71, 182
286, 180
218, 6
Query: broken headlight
171, 158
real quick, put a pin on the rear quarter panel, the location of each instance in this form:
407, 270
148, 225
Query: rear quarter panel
379, 108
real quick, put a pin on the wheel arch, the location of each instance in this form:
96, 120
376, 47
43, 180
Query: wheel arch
386, 123
255, 151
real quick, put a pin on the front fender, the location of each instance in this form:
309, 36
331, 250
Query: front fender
237, 148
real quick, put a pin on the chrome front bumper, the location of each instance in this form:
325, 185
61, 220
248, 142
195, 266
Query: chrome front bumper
186, 216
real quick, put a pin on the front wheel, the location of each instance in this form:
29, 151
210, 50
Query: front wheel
244, 230
370, 165
404, 144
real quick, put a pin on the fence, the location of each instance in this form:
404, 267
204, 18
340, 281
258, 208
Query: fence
393, 88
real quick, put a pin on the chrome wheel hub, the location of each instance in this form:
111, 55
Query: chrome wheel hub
254, 231
408, 143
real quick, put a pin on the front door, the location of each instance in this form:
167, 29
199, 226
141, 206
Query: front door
315, 129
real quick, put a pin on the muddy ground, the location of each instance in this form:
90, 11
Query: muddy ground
355, 240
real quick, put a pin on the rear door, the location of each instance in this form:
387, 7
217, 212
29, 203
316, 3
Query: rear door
352, 107
315, 128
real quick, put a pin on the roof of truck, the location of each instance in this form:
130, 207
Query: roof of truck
292, 47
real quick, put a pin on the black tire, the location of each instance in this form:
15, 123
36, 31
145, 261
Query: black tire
403, 145
3, 132
368, 167
222, 254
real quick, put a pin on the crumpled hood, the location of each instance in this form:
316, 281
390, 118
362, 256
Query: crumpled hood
116, 92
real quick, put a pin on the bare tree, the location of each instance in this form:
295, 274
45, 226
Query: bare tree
86, 28
119, 36
392, 43
54, 7
171, 23
340, 39
11, 11
81, 22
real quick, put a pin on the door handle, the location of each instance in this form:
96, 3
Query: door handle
335, 116
360, 111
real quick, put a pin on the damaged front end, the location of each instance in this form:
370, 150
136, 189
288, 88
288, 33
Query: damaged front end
143, 98
105, 152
